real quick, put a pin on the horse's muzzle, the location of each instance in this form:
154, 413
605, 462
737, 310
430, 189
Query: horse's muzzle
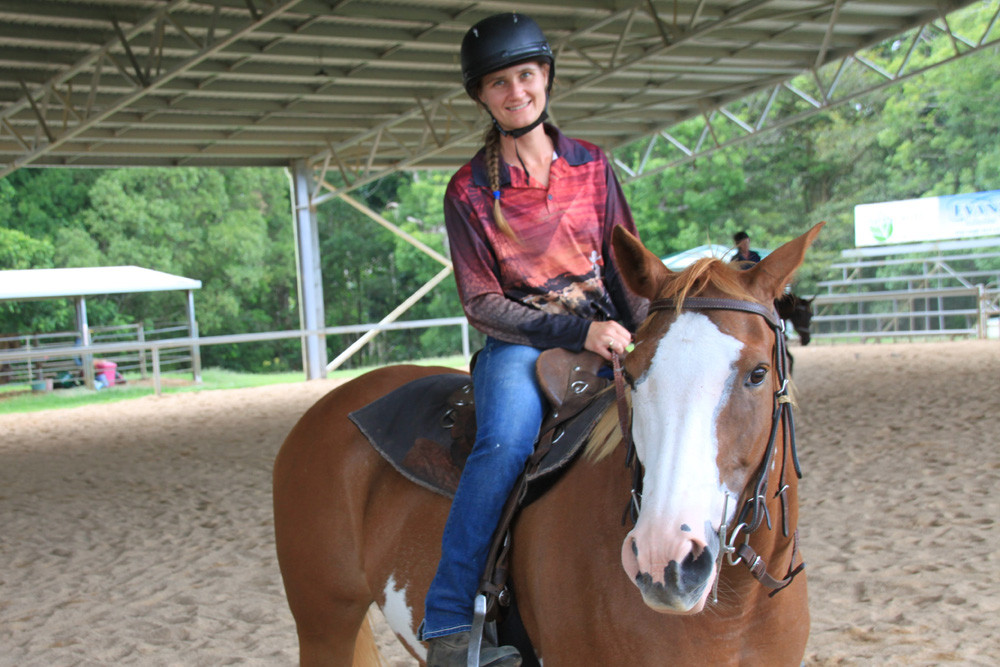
682, 586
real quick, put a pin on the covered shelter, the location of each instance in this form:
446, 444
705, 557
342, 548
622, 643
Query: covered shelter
343, 92
80, 283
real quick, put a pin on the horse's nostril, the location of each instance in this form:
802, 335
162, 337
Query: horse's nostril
692, 574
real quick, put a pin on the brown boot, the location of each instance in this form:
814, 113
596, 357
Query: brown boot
453, 651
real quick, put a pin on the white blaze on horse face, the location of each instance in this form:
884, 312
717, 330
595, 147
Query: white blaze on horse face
399, 616
675, 408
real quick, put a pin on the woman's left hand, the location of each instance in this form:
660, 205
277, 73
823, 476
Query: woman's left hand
607, 337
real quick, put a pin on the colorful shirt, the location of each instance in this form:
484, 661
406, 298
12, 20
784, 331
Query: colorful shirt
544, 288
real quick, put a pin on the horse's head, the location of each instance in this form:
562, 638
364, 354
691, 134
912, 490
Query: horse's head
798, 311
704, 387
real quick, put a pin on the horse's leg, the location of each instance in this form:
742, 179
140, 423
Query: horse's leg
343, 517
317, 526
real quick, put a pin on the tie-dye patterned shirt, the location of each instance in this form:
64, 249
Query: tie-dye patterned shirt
545, 288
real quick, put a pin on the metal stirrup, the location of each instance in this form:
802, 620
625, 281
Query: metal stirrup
476, 634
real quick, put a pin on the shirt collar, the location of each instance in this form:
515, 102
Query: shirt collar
571, 150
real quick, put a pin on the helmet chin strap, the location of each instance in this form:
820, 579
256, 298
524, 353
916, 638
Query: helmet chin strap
520, 132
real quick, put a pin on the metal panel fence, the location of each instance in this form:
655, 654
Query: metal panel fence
895, 314
933, 289
46, 362
173, 351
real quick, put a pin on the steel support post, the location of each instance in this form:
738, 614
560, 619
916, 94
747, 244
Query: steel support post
309, 274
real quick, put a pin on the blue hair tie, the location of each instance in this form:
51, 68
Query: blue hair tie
496, 194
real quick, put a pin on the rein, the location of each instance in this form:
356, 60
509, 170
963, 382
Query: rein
754, 510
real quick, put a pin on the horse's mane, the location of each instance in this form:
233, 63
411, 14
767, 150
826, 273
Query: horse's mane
705, 273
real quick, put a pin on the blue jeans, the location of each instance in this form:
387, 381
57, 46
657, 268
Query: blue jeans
509, 411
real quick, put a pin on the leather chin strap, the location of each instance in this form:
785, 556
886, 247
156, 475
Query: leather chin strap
521, 131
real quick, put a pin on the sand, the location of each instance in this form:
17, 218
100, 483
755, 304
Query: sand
140, 532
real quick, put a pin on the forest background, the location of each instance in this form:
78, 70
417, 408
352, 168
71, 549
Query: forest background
933, 134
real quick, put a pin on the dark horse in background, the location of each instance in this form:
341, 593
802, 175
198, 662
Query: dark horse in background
798, 311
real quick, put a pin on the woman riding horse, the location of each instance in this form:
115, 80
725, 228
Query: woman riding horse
712, 479
529, 222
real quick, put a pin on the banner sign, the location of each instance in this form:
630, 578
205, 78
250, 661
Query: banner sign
928, 219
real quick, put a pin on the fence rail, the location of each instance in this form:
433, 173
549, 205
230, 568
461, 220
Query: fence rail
157, 348
53, 364
945, 311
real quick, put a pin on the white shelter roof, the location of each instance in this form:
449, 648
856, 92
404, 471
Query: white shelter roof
61, 283
686, 258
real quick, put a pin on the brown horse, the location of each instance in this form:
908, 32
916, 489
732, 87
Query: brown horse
706, 393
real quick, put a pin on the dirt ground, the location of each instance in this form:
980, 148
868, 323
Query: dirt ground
140, 532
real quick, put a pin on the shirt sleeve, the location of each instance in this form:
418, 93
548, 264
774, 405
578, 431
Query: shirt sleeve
631, 307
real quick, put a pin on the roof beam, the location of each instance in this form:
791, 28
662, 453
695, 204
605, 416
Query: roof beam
148, 86
737, 127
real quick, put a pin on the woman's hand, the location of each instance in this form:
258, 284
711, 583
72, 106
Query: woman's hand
607, 337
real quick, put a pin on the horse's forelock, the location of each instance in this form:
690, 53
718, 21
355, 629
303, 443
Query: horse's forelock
703, 274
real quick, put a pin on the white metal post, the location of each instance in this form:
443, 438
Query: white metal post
84, 328
310, 276
193, 333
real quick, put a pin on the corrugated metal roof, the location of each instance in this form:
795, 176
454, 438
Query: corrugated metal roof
369, 86
32, 284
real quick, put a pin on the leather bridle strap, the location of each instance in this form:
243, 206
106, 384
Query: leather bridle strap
625, 424
715, 303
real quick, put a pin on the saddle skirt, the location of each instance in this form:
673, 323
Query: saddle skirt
427, 427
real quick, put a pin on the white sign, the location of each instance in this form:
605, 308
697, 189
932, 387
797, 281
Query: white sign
928, 219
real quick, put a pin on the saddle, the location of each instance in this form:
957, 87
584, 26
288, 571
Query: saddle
427, 427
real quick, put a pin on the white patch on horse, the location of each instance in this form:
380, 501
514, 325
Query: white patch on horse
676, 408
399, 616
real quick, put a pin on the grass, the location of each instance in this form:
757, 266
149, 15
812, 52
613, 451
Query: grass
20, 398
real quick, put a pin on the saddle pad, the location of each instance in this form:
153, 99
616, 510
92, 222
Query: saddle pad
409, 427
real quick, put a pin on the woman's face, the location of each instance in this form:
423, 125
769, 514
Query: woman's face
516, 95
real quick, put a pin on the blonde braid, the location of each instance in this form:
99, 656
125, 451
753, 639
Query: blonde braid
492, 141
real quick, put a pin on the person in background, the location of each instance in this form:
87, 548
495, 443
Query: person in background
744, 256
529, 223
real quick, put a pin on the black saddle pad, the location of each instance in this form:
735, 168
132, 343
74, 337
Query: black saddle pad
411, 428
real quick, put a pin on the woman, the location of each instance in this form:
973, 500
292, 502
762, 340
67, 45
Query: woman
529, 222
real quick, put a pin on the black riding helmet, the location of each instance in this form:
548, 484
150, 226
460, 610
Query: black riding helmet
500, 41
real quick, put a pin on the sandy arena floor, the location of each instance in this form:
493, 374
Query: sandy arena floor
140, 532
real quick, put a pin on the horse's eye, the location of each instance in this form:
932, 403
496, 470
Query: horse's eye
757, 376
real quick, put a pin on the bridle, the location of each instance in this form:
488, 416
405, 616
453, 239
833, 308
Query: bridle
754, 508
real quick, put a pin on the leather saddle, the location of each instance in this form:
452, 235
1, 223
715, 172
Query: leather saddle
427, 427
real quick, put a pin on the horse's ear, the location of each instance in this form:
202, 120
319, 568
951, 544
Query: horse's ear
770, 275
642, 271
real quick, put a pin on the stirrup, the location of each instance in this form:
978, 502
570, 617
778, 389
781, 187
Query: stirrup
476, 633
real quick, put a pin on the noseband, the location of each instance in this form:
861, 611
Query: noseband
754, 509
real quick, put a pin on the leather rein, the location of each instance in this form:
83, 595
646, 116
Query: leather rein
754, 510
